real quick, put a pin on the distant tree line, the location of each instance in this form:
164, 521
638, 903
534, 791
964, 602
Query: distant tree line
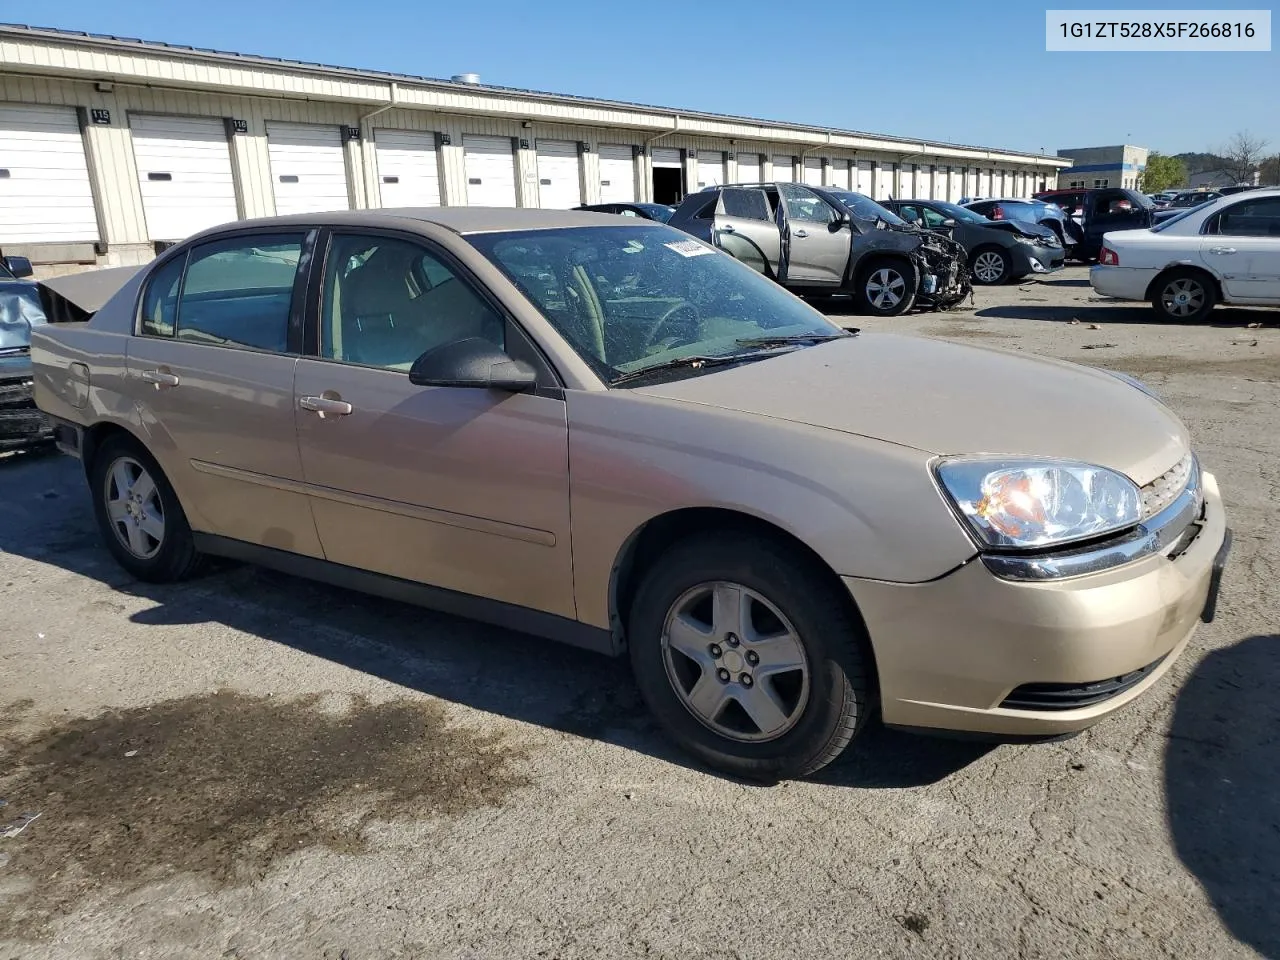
1243, 156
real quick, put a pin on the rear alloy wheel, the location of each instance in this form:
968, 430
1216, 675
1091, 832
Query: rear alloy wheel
989, 266
749, 657
142, 522
1183, 296
886, 289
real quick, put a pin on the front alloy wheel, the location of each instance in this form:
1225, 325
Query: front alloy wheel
736, 662
989, 267
885, 289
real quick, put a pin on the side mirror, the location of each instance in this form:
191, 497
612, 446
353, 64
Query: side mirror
472, 362
948, 223
20, 267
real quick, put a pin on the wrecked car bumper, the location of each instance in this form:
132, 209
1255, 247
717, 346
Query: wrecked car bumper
1037, 259
21, 424
944, 273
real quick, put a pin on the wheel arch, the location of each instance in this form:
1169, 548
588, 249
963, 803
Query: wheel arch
1169, 268
652, 538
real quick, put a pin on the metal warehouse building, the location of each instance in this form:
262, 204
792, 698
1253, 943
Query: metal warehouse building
111, 148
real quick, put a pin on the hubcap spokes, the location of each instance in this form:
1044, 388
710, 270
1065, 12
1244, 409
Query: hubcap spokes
735, 662
134, 508
1182, 298
885, 288
989, 266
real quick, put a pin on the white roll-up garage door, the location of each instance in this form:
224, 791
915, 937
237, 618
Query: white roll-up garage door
924, 182
863, 182
838, 174
710, 168
666, 158
408, 168
783, 169
749, 168
617, 173
184, 173
984, 183
308, 170
44, 180
559, 175
491, 171
813, 171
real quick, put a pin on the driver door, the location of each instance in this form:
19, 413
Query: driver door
459, 487
747, 229
818, 243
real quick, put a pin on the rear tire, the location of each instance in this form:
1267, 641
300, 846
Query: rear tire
139, 516
990, 266
1183, 296
765, 717
886, 287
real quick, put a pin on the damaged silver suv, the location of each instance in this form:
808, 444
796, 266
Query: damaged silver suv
822, 241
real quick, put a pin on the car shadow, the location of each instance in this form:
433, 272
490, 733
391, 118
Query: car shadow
45, 515
1065, 283
1226, 317
1222, 786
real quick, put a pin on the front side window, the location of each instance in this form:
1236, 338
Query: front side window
864, 208
387, 301
1252, 218
630, 298
805, 205
932, 218
236, 292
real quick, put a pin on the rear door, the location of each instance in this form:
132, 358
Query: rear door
817, 244
1242, 245
462, 488
746, 227
211, 373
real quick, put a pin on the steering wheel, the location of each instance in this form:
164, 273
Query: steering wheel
684, 308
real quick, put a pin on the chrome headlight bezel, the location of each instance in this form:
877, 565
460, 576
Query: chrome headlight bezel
983, 492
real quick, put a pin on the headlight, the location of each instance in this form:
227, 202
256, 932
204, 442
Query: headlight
1038, 503
1023, 238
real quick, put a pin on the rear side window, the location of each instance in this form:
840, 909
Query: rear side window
236, 292
1252, 218
747, 204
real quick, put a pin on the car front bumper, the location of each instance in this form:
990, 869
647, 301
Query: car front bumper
21, 424
975, 653
1028, 259
1122, 283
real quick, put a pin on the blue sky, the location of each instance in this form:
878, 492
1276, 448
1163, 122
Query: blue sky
965, 72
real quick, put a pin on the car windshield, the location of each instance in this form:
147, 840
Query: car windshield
659, 211
635, 297
864, 208
956, 212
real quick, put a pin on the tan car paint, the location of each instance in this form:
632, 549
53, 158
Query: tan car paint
963, 400
464, 489
788, 440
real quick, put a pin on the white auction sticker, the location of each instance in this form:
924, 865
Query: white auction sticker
688, 248
1126, 31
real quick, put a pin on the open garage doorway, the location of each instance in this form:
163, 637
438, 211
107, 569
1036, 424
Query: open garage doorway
668, 176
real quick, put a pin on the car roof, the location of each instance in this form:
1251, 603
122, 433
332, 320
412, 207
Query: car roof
462, 220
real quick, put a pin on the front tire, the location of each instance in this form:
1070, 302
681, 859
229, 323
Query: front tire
1183, 296
886, 287
990, 266
139, 516
748, 658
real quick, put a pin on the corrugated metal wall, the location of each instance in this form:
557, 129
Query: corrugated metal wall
109, 147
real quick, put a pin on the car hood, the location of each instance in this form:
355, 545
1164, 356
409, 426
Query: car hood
945, 398
1024, 227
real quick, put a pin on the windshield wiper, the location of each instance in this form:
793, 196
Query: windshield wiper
695, 363
785, 339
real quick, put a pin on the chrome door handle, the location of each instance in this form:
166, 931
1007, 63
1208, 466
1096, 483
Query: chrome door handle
728, 228
161, 378
802, 233
1222, 249
326, 407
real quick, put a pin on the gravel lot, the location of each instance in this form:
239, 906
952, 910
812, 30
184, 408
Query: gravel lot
252, 766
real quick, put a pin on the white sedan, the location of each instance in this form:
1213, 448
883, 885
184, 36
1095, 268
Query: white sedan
1225, 251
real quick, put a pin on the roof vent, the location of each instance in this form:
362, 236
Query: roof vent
466, 78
